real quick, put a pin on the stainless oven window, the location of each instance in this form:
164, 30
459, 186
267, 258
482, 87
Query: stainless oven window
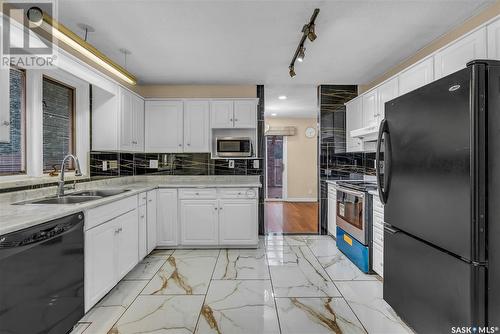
350, 209
229, 146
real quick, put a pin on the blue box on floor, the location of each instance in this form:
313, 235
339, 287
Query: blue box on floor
358, 253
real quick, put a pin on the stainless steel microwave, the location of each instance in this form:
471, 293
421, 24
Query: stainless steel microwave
234, 147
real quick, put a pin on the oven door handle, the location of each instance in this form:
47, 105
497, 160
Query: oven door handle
383, 191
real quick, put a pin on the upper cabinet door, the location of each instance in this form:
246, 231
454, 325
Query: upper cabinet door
222, 114
196, 126
493, 31
127, 118
456, 56
386, 92
354, 120
164, 124
416, 76
138, 124
245, 114
369, 108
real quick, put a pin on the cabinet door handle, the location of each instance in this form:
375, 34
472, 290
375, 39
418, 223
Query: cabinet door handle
142, 216
150, 200
189, 144
236, 120
231, 119
180, 145
215, 208
196, 194
220, 208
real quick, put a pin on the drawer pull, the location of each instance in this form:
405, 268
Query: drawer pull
142, 216
196, 193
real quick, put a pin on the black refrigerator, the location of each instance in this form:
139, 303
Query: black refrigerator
440, 182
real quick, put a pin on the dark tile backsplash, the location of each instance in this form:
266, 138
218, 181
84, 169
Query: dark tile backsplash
334, 162
169, 164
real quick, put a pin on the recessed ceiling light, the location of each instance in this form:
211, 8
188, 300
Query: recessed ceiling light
282, 97
274, 114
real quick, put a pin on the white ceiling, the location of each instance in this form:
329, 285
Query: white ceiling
301, 101
251, 42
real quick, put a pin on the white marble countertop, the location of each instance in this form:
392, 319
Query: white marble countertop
17, 217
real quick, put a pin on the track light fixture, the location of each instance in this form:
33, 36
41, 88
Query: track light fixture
308, 32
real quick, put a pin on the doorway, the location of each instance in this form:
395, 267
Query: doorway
275, 165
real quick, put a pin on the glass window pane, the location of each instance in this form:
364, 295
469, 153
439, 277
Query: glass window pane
57, 123
12, 153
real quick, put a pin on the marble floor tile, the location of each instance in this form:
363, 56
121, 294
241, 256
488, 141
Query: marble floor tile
102, 318
317, 315
239, 306
146, 269
241, 264
123, 294
366, 300
80, 328
336, 264
161, 253
295, 240
299, 274
274, 241
160, 314
185, 272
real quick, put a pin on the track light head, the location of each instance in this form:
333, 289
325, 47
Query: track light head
302, 54
311, 34
292, 71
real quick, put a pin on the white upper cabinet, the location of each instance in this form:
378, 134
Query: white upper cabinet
370, 108
164, 126
416, 76
222, 114
131, 122
456, 56
228, 114
245, 114
386, 92
493, 32
354, 120
196, 126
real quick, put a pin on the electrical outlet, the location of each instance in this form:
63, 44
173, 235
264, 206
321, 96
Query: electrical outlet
113, 164
256, 164
231, 163
104, 166
153, 163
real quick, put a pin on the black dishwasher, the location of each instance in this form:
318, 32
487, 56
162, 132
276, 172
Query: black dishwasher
41, 277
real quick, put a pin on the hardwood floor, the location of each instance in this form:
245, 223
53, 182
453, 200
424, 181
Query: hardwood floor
291, 217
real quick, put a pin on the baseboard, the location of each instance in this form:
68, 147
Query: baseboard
298, 199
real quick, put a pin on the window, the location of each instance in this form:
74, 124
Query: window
12, 152
58, 123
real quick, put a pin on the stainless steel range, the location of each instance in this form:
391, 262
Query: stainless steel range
354, 221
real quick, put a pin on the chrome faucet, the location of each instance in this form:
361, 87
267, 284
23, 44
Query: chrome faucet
78, 172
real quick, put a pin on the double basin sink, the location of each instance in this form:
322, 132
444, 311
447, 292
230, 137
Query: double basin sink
77, 197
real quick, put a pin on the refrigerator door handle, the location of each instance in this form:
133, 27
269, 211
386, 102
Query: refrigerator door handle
390, 229
383, 191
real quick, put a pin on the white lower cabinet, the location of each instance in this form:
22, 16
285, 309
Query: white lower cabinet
238, 222
151, 218
166, 219
111, 251
143, 232
199, 222
100, 268
128, 243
